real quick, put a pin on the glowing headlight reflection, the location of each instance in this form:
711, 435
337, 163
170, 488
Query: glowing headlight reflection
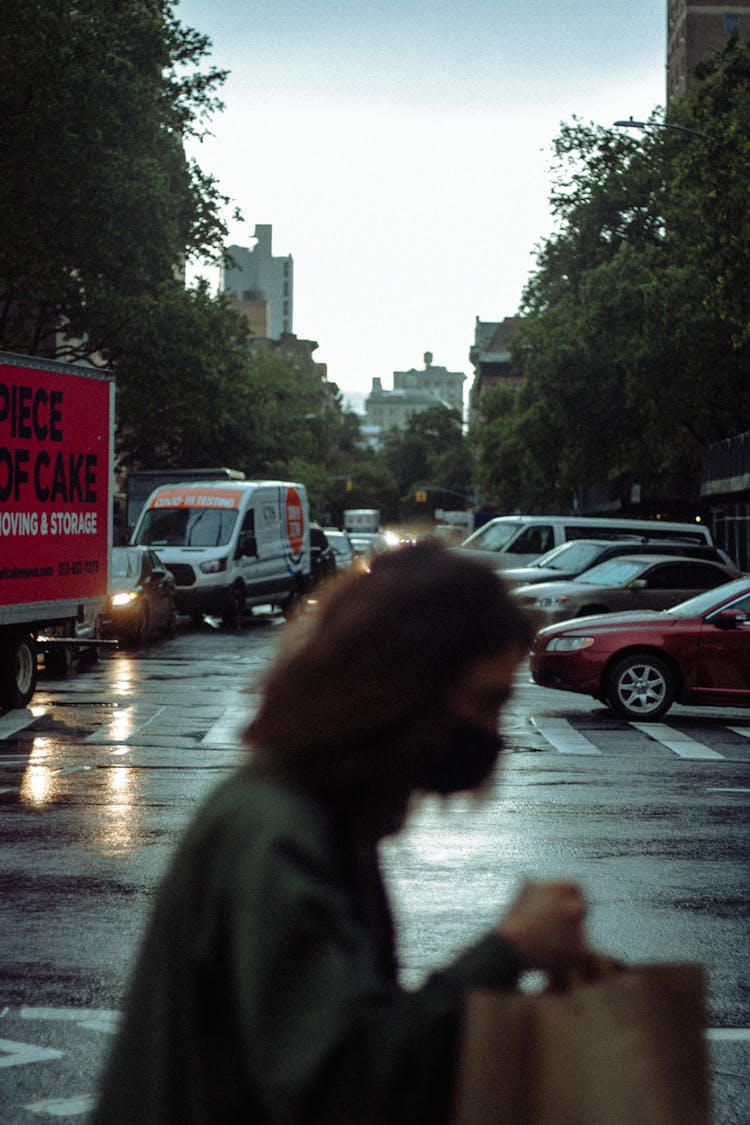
124, 673
121, 725
39, 784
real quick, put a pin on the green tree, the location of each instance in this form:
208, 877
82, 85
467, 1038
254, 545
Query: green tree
98, 204
186, 395
430, 453
636, 342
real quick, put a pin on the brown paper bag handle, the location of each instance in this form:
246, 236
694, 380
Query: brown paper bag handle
593, 967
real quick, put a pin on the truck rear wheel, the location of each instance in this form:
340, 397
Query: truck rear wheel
18, 670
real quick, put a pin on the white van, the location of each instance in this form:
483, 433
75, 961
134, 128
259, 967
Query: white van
230, 544
510, 541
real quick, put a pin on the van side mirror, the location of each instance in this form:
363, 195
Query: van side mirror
248, 544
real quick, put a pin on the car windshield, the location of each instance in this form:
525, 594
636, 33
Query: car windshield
125, 563
186, 527
613, 572
706, 601
492, 536
570, 557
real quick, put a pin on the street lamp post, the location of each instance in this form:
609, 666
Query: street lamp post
630, 123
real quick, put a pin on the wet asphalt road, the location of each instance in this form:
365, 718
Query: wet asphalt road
99, 777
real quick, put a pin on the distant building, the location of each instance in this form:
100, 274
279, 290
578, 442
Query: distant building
413, 392
490, 357
262, 286
695, 32
448, 386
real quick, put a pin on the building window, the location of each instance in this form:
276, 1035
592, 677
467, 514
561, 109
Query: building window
731, 23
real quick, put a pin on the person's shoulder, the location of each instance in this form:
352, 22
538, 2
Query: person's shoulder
250, 810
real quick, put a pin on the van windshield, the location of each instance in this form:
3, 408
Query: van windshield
492, 537
186, 527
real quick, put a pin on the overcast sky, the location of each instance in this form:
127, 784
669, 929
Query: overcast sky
401, 151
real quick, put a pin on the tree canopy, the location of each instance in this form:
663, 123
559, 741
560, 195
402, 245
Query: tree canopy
99, 205
636, 342
100, 211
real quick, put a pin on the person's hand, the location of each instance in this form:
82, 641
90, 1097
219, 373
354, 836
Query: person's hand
545, 924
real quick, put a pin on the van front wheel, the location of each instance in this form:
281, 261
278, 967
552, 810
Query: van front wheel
234, 607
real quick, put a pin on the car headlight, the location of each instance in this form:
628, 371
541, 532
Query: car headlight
569, 644
213, 566
546, 601
125, 598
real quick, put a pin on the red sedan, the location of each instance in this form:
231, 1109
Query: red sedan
639, 664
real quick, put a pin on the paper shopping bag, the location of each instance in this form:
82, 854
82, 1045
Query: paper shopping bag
627, 1049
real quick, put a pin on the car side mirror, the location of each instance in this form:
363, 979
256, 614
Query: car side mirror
638, 584
731, 618
157, 574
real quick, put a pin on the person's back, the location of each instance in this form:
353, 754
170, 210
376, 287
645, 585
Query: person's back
266, 989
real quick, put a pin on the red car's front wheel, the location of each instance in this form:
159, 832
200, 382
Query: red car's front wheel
640, 686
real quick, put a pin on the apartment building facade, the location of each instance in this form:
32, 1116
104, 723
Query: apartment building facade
262, 285
695, 32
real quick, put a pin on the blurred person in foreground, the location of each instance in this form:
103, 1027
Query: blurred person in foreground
266, 990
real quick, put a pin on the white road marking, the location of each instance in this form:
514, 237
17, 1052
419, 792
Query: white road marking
744, 731
18, 1054
676, 741
563, 736
726, 790
13, 721
226, 731
95, 1019
120, 729
63, 1107
728, 1034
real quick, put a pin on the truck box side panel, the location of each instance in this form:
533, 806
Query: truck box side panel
55, 494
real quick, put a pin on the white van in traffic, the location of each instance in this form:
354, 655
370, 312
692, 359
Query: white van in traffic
230, 544
517, 540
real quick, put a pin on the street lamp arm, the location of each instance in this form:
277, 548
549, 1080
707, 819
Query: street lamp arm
631, 124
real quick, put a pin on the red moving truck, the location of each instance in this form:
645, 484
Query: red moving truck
56, 464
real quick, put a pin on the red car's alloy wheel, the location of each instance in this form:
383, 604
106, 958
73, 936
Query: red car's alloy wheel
640, 686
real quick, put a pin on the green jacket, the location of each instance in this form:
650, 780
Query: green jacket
266, 988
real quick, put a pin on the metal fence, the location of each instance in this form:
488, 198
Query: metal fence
730, 525
725, 487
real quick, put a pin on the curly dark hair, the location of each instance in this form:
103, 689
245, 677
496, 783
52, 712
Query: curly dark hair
371, 677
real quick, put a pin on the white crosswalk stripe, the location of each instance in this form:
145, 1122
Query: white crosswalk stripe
563, 736
677, 741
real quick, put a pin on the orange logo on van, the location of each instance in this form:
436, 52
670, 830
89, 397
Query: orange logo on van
295, 524
196, 497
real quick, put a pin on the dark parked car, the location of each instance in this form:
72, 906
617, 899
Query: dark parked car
572, 558
639, 664
141, 598
322, 556
623, 583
